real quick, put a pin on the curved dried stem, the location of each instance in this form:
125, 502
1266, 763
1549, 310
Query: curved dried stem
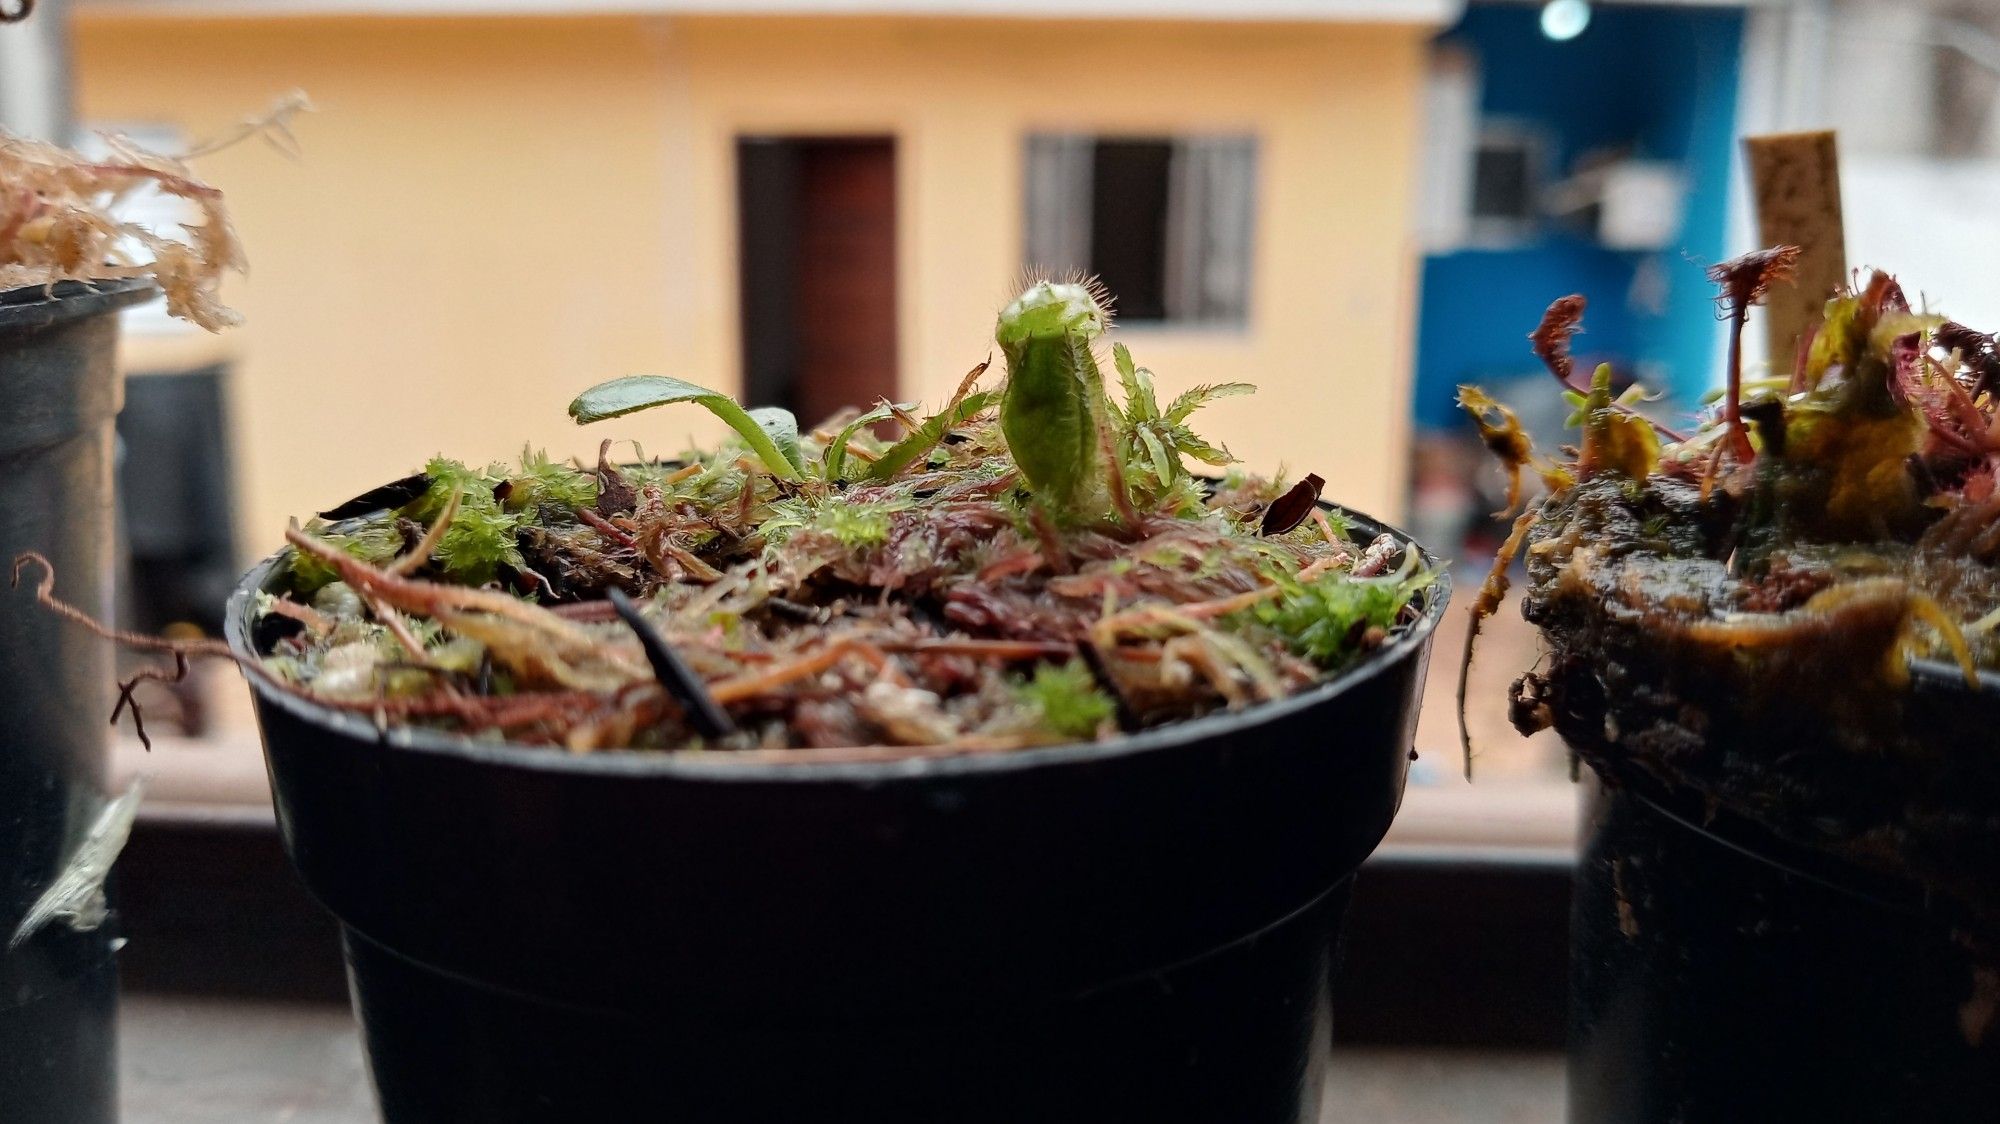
400, 629
180, 650
1491, 593
138, 641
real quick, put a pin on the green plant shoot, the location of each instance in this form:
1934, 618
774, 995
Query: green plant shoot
1053, 409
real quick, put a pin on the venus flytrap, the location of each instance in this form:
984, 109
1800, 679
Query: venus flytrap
1083, 453
1053, 410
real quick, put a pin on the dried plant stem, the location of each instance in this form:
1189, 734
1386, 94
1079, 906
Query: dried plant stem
138, 641
180, 650
316, 622
428, 598
427, 545
983, 649
1491, 593
400, 629
1108, 629
606, 528
745, 687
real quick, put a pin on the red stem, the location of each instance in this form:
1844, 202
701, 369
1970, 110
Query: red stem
605, 527
1732, 407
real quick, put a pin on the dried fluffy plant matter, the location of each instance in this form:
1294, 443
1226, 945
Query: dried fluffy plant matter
56, 221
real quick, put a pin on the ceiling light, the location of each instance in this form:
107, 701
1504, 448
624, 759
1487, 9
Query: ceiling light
1565, 19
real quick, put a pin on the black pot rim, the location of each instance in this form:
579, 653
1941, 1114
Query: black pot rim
918, 765
1943, 677
38, 306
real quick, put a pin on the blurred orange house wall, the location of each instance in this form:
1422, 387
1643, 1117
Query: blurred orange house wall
496, 209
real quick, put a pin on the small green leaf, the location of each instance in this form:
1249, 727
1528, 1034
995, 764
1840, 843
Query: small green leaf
1200, 396
1163, 465
619, 397
376, 541
927, 436
1322, 620
480, 540
1192, 446
1578, 407
1048, 419
1069, 700
542, 480
835, 459
1620, 441
858, 526
1140, 403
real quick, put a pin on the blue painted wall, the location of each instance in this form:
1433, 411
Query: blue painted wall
1659, 80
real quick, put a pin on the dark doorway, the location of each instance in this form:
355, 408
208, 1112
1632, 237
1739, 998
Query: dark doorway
817, 226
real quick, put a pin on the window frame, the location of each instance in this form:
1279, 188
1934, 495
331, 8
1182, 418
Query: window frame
1056, 178
1505, 232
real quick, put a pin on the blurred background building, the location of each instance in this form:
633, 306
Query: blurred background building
1572, 148
501, 203
1591, 148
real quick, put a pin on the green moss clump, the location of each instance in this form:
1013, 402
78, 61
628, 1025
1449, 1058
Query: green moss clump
1068, 699
376, 543
544, 481
1328, 621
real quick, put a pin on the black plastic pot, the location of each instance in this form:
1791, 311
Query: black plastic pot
1719, 973
1140, 930
59, 395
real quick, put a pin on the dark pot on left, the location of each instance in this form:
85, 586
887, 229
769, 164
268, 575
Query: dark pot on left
59, 396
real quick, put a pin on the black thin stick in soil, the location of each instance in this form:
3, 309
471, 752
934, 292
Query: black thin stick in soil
703, 712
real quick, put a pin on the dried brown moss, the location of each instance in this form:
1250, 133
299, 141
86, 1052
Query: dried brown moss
57, 221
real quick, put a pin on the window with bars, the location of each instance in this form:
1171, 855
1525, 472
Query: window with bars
1166, 223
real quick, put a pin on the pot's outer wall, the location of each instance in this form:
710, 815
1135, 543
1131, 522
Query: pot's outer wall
1718, 973
771, 904
59, 395
1241, 1036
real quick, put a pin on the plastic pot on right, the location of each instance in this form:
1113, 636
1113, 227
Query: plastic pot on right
1788, 900
1719, 973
